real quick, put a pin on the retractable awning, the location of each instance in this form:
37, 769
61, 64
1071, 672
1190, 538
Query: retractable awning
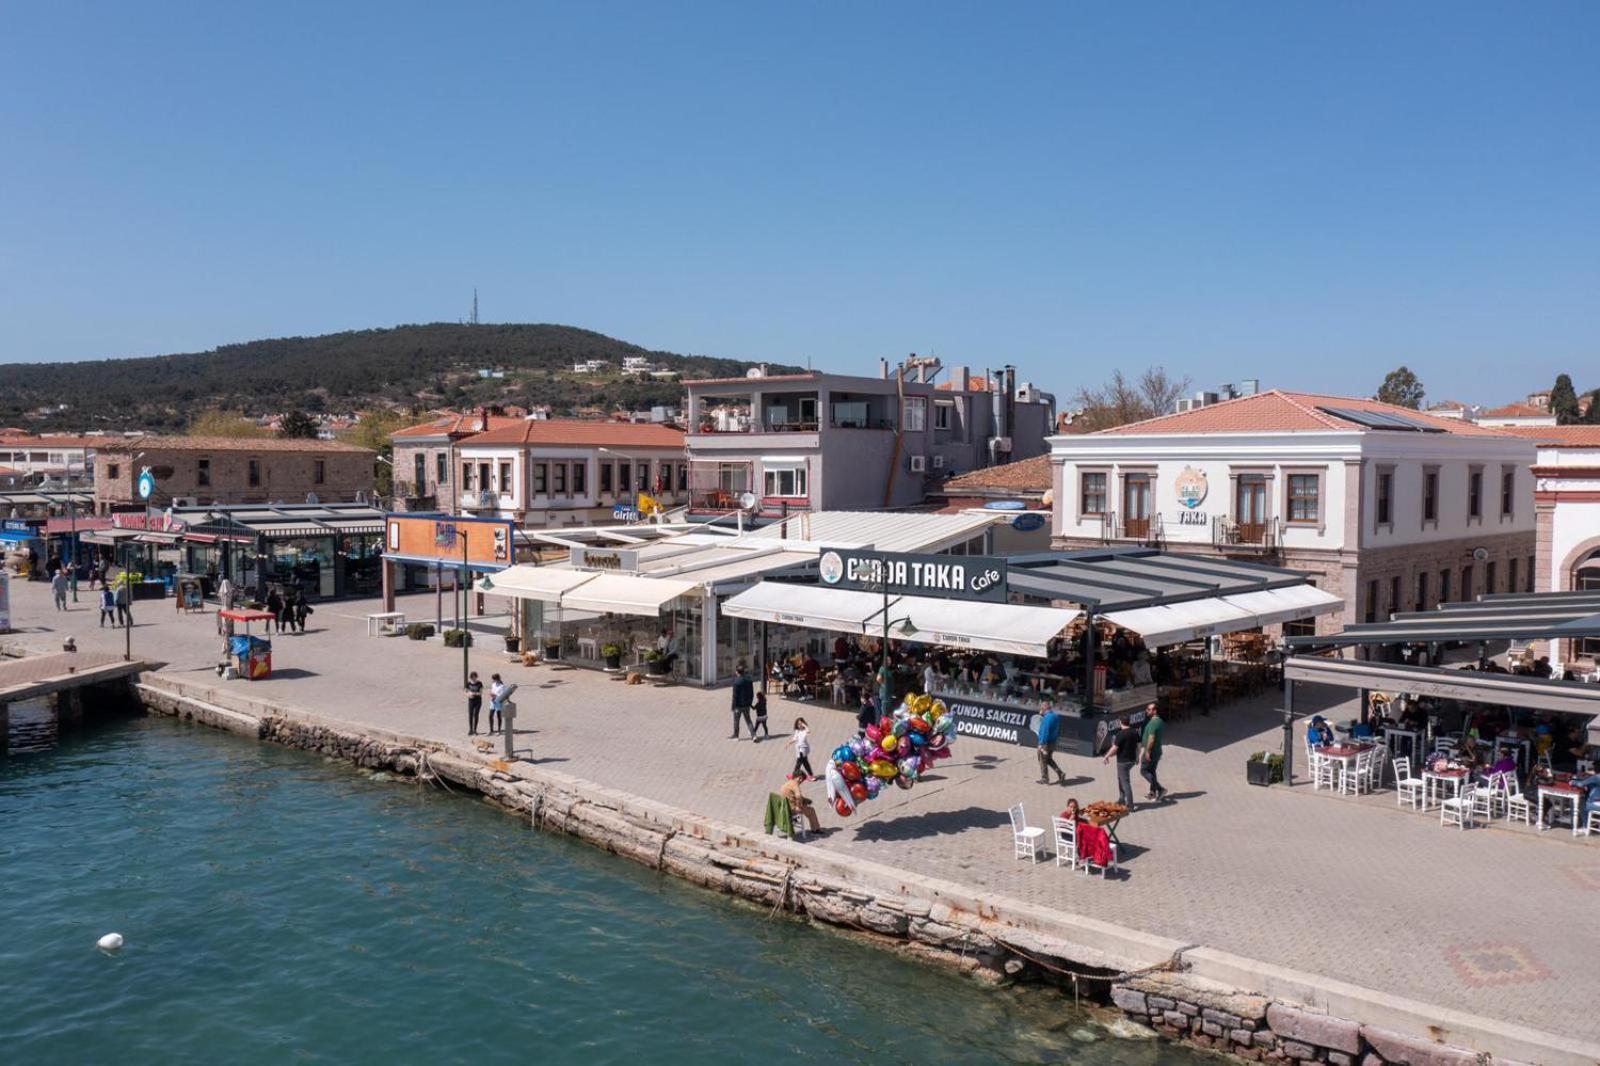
1004, 627
809, 606
625, 594
1529, 616
1192, 619
529, 582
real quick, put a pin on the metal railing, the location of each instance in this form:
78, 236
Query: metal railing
1229, 534
480, 501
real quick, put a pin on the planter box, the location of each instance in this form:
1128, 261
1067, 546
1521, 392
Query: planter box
1259, 773
552, 651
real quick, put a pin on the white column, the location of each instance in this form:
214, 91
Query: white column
708, 642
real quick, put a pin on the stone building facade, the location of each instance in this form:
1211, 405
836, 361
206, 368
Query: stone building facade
425, 469
1392, 509
197, 471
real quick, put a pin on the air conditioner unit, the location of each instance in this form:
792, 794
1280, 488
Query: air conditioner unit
919, 464
938, 462
1185, 403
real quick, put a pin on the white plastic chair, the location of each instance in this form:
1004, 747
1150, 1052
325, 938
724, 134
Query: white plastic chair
1025, 837
1406, 787
1457, 810
1518, 807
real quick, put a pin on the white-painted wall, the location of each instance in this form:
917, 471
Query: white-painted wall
1409, 455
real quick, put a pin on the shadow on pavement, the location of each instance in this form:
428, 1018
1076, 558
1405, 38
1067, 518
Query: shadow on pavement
917, 826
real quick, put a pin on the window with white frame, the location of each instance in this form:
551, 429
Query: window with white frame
785, 482
915, 415
943, 414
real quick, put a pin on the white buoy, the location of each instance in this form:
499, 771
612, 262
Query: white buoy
109, 942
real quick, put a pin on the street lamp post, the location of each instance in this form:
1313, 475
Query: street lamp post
466, 606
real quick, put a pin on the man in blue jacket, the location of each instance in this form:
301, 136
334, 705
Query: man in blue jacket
1049, 731
744, 695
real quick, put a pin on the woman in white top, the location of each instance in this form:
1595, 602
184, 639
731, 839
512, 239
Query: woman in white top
801, 739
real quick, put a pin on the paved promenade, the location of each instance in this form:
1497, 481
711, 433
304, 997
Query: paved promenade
1495, 922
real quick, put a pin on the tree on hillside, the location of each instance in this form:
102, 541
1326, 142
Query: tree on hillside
298, 425
1591, 416
1401, 388
1120, 400
218, 423
375, 430
1564, 401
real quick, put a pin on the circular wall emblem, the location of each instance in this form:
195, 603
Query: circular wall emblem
1191, 486
830, 567
147, 485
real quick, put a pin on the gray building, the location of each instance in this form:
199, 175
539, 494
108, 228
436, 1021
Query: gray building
831, 442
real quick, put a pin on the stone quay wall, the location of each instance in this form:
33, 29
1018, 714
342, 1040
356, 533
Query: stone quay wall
1251, 1010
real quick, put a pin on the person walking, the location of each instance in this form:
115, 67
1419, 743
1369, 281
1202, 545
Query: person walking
744, 695
867, 714
1049, 733
274, 603
761, 718
225, 594
1150, 752
302, 609
801, 739
58, 588
474, 702
125, 601
108, 606
1125, 747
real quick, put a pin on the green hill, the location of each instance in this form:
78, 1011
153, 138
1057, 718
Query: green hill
414, 367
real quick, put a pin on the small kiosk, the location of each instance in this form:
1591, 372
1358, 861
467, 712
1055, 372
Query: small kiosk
252, 654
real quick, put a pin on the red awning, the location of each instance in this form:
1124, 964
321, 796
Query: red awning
245, 614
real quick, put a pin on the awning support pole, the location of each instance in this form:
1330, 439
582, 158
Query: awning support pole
1088, 661
1288, 729
1205, 706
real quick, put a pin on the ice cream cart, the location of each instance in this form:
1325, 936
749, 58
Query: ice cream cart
252, 654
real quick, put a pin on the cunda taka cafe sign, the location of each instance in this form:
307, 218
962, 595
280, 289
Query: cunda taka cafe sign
947, 577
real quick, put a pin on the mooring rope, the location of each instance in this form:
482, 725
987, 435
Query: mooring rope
1173, 964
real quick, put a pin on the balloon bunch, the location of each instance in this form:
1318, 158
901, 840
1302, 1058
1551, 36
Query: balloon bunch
899, 749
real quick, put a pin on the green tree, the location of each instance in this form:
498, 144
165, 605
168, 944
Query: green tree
375, 430
218, 423
1401, 388
298, 424
1564, 401
1591, 417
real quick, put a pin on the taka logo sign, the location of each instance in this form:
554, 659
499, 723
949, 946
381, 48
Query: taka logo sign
1191, 486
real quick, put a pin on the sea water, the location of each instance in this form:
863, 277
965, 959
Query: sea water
278, 907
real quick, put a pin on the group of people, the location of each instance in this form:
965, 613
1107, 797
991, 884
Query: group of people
498, 691
288, 607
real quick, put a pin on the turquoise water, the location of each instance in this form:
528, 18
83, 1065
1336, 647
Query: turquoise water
279, 908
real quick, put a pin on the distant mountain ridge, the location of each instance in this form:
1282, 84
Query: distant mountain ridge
414, 366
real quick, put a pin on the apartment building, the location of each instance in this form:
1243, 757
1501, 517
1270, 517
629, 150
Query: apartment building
199, 471
424, 458
1393, 509
33, 458
819, 441
553, 473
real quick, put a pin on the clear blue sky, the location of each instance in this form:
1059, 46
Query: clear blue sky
1310, 194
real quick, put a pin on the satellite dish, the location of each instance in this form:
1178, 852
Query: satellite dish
1480, 554
754, 372
749, 501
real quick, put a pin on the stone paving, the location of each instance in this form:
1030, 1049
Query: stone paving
1498, 922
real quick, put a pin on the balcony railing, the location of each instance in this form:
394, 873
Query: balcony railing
1229, 534
1148, 531
480, 501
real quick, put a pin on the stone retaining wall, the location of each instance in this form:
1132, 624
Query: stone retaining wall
1153, 981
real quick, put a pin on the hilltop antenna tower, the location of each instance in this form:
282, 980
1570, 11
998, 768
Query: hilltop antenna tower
474, 320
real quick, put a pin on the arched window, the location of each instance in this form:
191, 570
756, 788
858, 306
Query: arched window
1586, 578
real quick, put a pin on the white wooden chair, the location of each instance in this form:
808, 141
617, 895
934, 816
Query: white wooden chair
1592, 825
1407, 788
1518, 807
1376, 765
1353, 775
1025, 837
1487, 799
1321, 768
1457, 810
1067, 849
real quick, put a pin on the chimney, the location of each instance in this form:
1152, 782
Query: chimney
483, 419
883, 368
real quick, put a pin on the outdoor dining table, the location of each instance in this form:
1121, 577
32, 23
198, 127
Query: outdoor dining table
1413, 741
1560, 793
1434, 781
1345, 755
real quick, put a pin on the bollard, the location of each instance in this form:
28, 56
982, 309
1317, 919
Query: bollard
508, 716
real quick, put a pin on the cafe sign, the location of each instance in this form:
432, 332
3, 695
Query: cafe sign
612, 560
949, 577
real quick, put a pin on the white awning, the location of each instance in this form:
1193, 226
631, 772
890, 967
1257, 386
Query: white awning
1176, 623
626, 594
529, 582
1004, 627
835, 610
1275, 606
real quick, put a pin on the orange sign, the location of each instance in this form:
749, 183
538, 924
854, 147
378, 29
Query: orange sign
488, 542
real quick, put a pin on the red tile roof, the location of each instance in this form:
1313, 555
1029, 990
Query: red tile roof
60, 440
1516, 410
454, 425
1025, 475
582, 433
231, 444
1558, 436
1277, 411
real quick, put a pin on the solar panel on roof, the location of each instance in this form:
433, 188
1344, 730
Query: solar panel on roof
1381, 420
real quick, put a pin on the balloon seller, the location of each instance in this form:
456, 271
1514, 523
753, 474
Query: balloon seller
897, 750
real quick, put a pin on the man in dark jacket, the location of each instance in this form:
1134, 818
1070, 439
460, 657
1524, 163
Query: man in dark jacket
744, 694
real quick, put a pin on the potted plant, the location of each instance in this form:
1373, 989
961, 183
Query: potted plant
513, 643
455, 638
612, 654
1263, 769
655, 663
552, 648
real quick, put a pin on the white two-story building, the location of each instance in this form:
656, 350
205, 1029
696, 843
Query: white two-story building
1567, 512
555, 473
1393, 509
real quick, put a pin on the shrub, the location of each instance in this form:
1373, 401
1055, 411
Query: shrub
455, 638
419, 631
610, 651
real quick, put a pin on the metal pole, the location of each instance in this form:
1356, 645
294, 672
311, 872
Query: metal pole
127, 629
72, 569
1288, 729
884, 679
466, 633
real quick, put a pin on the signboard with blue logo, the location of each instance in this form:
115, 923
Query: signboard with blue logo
147, 484
624, 512
1027, 522
949, 577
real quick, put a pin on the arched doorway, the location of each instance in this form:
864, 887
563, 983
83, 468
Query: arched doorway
1585, 577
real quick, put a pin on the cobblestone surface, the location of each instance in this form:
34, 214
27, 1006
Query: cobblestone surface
1353, 889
